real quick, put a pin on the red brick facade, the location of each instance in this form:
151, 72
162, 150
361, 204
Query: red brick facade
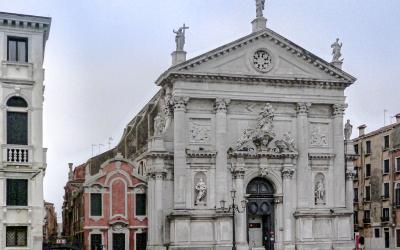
121, 220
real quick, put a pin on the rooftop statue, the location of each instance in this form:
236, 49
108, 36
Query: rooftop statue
260, 6
336, 51
348, 129
180, 37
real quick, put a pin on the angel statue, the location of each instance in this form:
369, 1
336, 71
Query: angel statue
201, 189
180, 37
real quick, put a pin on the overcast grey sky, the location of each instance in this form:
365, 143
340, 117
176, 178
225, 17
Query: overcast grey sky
103, 57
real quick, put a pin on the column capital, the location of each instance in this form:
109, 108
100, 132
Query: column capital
221, 104
238, 172
303, 108
338, 109
157, 174
288, 172
350, 174
180, 103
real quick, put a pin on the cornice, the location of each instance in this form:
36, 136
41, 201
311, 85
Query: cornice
200, 154
320, 156
257, 155
255, 79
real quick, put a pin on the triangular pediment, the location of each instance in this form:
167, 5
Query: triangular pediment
263, 54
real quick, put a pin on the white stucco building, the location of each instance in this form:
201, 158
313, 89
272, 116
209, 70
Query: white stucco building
23, 158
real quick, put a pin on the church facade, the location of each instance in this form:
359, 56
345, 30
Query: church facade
245, 145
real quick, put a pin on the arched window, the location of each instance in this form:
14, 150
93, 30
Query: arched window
17, 121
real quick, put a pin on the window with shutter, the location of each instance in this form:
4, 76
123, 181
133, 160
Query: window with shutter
17, 50
17, 192
95, 205
140, 204
17, 128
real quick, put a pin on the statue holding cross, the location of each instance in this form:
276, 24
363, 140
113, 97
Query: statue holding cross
180, 37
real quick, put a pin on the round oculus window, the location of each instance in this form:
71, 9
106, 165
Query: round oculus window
262, 61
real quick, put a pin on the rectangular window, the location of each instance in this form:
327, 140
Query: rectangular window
96, 205
17, 128
367, 193
356, 148
16, 236
355, 194
377, 232
385, 214
386, 166
367, 170
398, 164
17, 192
386, 190
386, 141
17, 49
355, 217
368, 147
397, 237
95, 242
387, 237
367, 216
140, 204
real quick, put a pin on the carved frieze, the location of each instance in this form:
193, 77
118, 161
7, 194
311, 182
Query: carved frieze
200, 131
318, 136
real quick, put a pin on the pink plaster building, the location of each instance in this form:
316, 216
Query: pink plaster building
105, 206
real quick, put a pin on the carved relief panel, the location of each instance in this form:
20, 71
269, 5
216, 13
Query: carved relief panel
319, 135
200, 131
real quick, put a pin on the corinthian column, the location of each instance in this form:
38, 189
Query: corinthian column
179, 151
338, 149
304, 187
288, 206
221, 176
241, 228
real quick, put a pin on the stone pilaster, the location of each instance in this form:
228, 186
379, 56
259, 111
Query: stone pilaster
156, 214
304, 185
221, 175
241, 228
179, 152
288, 203
338, 149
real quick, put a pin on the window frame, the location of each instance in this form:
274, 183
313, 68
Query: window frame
386, 142
367, 195
101, 205
355, 192
386, 187
397, 234
367, 170
386, 167
397, 163
383, 214
368, 147
18, 39
136, 204
90, 238
26, 203
26, 110
17, 228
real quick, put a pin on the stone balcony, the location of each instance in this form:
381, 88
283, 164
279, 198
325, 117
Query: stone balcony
17, 154
16, 71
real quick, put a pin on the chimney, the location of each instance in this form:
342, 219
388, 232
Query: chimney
397, 118
361, 130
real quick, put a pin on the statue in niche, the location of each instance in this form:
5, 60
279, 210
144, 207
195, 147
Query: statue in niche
159, 125
180, 37
201, 189
319, 190
348, 130
260, 6
336, 51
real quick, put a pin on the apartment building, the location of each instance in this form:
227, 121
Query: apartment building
377, 186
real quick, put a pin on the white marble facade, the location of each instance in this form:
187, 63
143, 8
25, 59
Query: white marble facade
23, 79
259, 108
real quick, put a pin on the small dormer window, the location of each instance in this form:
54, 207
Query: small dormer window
17, 49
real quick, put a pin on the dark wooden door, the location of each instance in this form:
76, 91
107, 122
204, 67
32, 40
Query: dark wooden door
118, 241
268, 232
141, 241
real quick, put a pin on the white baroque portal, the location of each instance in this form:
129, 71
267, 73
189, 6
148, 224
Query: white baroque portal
264, 117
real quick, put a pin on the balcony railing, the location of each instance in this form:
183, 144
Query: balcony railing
17, 154
366, 221
385, 219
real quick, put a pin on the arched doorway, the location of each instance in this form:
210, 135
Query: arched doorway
260, 214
